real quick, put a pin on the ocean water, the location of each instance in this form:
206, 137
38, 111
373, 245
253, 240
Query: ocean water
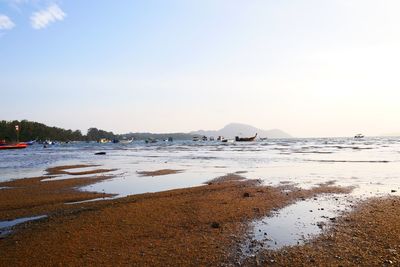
371, 165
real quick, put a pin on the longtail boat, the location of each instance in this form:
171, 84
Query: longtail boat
15, 146
245, 139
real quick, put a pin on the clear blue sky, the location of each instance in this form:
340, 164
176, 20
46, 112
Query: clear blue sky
311, 68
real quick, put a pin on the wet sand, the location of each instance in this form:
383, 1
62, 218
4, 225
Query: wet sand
199, 226
368, 236
158, 172
65, 170
33, 196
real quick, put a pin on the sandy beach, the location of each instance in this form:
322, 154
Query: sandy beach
198, 226
199, 133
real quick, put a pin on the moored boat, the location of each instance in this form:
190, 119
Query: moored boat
15, 146
359, 136
150, 140
245, 139
29, 143
126, 141
49, 142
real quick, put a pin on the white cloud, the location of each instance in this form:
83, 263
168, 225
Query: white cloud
43, 18
6, 23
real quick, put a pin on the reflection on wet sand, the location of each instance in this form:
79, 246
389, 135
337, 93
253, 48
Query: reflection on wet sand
159, 172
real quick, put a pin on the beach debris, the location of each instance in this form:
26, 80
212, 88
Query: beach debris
320, 225
100, 153
388, 262
215, 225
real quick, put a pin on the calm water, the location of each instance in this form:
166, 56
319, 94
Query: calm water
372, 165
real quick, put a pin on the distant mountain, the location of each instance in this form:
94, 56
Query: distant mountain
237, 129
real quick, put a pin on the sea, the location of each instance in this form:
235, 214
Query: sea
370, 165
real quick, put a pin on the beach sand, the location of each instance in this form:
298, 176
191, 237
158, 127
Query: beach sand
199, 226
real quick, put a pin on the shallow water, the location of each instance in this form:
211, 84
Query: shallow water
296, 223
372, 165
5, 226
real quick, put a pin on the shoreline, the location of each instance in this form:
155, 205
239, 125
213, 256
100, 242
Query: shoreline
203, 225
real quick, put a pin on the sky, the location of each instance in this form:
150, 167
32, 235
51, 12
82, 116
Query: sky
311, 68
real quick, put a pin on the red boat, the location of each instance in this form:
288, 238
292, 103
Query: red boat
16, 146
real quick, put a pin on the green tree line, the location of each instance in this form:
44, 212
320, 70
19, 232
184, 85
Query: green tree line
29, 130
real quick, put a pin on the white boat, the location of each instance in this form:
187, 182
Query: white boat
48, 142
126, 141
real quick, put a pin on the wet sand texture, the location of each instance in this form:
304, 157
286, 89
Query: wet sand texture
158, 172
199, 226
32, 196
65, 170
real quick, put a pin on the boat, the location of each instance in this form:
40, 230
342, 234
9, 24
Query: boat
29, 143
48, 142
245, 139
196, 138
115, 141
359, 136
150, 140
104, 141
211, 138
126, 141
15, 146
204, 138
